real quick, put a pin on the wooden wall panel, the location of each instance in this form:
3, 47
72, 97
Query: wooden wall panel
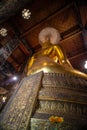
79, 61
83, 12
18, 55
73, 45
13, 63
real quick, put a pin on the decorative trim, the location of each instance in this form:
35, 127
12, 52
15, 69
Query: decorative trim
17, 113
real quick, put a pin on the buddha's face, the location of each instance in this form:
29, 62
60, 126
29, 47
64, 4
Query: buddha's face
46, 44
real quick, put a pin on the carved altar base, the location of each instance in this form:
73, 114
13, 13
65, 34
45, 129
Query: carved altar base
42, 95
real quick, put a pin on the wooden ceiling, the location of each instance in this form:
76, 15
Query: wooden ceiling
69, 17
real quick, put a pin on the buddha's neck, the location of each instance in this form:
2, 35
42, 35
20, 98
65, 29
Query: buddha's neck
46, 45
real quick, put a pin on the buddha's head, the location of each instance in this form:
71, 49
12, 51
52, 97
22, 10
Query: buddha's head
49, 36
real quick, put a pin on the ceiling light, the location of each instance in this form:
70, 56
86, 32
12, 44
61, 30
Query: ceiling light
3, 32
4, 99
26, 14
85, 65
15, 78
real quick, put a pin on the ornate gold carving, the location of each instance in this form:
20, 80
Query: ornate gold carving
65, 80
18, 111
64, 108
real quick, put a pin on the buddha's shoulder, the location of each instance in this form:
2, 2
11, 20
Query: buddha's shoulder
57, 46
37, 53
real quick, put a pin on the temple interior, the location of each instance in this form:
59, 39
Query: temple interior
43, 86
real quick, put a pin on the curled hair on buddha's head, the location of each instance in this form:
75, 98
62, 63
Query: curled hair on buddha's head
49, 34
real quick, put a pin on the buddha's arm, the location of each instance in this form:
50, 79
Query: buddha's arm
62, 56
31, 61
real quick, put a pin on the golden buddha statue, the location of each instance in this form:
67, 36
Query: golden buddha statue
53, 88
52, 57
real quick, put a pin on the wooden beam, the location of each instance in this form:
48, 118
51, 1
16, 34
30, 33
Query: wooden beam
78, 55
71, 36
70, 32
17, 62
23, 49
